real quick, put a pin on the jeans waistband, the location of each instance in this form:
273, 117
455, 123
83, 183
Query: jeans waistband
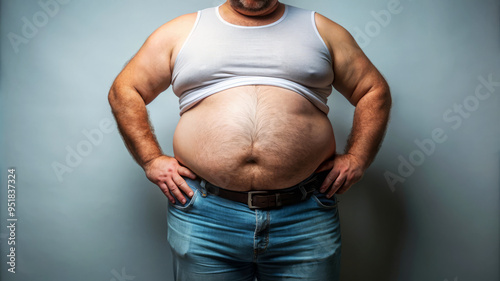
269, 199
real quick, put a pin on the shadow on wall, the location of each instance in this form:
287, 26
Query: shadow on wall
374, 226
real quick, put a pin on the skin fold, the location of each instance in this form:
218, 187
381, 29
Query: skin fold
251, 137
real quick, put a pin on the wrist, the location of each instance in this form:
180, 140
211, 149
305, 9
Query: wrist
147, 163
363, 162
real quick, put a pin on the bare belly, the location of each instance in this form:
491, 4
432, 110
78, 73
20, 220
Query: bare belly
254, 138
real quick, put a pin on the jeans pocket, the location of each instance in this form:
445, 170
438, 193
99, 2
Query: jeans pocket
189, 201
324, 202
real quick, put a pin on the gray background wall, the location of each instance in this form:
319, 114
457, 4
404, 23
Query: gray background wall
427, 209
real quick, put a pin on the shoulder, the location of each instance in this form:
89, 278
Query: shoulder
167, 38
175, 29
187, 19
332, 32
341, 44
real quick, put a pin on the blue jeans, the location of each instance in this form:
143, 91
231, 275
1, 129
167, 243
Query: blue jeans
215, 239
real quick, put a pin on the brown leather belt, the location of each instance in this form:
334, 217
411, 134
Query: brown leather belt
271, 199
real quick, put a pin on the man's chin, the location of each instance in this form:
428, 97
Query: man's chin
252, 6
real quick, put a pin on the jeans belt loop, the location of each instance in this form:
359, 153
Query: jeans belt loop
203, 187
278, 200
304, 193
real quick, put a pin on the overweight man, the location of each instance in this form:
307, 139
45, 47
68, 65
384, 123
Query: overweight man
253, 180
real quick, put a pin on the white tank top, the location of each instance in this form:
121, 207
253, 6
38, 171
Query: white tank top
218, 55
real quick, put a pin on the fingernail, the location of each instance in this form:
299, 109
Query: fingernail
183, 201
322, 189
191, 194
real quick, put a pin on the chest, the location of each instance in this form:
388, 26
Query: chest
257, 53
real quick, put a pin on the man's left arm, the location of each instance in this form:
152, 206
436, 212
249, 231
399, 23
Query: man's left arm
357, 79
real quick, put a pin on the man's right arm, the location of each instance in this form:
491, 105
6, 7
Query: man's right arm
147, 75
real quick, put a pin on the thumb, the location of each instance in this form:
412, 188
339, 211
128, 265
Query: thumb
183, 171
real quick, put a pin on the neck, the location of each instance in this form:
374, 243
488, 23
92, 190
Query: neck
267, 12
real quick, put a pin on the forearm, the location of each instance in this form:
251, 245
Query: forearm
132, 118
370, 122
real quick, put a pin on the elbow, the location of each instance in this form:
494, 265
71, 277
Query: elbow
385, 96
113, 99
378, 96
123, 97
122, 94
113, 96
119, 95
119, 98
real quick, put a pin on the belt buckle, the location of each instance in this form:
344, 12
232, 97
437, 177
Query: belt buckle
250, 198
